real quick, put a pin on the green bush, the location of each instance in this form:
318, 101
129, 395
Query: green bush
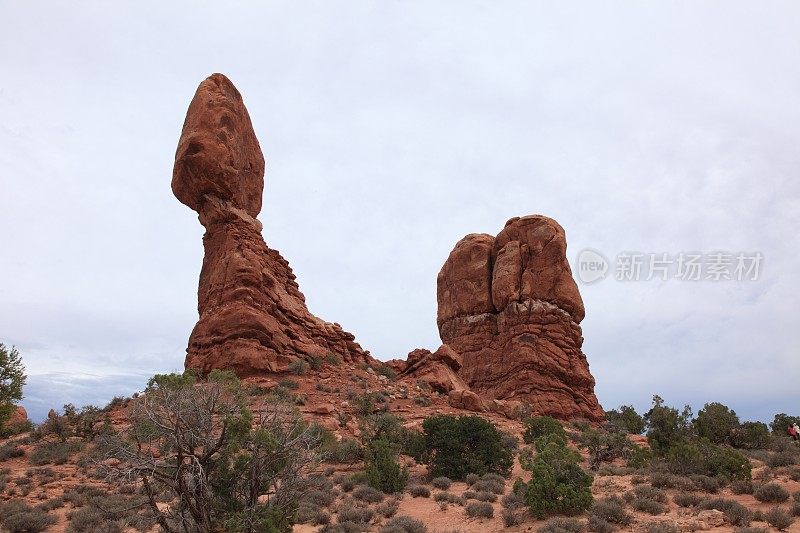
648, 506
383, 471
771, 493
457, 446
558, 484
703, 457
603, 446
56, 453
12, 380
742, 486
539, 426
639, 456
780, 424
345, 451
666, 426
625, 418
751, 436
716, 422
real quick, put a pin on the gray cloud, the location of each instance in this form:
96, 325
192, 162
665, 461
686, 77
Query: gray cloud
391, 130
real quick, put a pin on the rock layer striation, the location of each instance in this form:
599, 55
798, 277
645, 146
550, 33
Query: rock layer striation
253, 317
509, 307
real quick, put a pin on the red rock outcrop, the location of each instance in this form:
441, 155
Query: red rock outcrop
439, 370
508, 305
253, 317
18, 416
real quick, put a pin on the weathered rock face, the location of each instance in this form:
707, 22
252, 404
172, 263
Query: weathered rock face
438, 369
253, 317
18, 416
510, 308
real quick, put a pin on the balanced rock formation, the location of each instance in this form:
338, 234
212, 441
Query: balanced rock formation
509, 307
253, 317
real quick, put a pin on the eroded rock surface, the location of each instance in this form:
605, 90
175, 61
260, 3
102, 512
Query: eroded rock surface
508, 305
253, 317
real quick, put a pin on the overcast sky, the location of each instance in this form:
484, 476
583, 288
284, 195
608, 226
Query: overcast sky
391, 130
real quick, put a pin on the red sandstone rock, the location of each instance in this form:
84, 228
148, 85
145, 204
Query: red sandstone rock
438, 369
253, 317
510, 308
467, 400
19, 416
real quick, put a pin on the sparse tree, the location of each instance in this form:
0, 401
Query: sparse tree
222, 466
12, 379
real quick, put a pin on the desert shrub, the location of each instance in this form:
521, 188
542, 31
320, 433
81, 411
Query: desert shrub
419, 491
386, 370
383, 471
625, 418
639, 456
388, 508
52, 503
707, 483
735, 513
539, 426
461, 445
661, 527
368, 494
404, 524
598, 525
771, 493
448, 497
512, 516
781, 458
666, 426
441, 482
298, 367
778, 518
664, 480
603, 446
16, 516
648, 493
750, 436
686, 499
484, 496
611, 510
716, 422
780, 424
289, 383
358, 515
490, 483
56, 453
742, 486
561, 525
558, 484
10, 450
345, 451
645, 505
90, 520
750, 530
479, 510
